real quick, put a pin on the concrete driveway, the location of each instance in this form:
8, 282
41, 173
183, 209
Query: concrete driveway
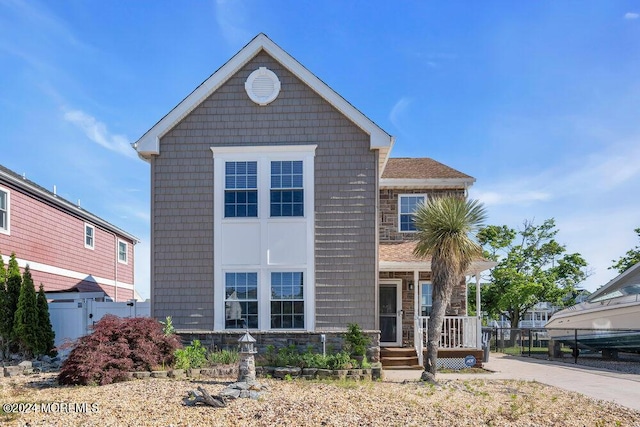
620, 388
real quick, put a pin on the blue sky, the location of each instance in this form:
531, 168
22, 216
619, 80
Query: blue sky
538, 100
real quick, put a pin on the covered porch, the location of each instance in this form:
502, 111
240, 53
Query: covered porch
405, 303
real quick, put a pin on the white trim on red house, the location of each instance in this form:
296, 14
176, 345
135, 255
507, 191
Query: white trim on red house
149, 144
92, 246
45, 268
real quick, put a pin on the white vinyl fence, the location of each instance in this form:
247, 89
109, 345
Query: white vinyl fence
71, 320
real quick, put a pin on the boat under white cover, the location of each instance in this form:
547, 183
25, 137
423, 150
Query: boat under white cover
609, 319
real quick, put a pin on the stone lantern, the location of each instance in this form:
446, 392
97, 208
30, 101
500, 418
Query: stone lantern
247, 368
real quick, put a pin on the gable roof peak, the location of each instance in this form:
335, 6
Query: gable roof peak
149, 144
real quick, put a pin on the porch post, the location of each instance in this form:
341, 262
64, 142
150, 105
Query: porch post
478, 313
417, 329
416, 293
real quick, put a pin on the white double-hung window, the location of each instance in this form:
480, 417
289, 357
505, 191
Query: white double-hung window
407, 205
89, 236
426, 298
287, 191
241, 189
4, 211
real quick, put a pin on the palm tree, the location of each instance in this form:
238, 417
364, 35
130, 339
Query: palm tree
444, 226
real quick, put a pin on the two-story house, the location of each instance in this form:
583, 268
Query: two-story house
66, 247
275, 207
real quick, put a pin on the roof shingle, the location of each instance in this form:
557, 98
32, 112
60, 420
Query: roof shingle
419, 168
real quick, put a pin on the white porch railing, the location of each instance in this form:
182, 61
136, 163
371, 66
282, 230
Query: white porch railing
457, 332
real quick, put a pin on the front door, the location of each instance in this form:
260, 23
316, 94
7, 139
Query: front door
390, 314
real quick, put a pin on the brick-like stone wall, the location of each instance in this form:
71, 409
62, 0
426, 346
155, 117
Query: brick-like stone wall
334, 341
388, 216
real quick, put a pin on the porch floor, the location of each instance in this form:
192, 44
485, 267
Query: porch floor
406, 358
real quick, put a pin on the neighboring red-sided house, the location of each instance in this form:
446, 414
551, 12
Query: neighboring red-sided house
66, 247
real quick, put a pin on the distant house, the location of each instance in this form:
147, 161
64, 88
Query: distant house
66, 247
275, 206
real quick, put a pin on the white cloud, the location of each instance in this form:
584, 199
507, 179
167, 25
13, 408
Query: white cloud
231, 18
97, 132
631, 15
398, 110
511, 195
591, 199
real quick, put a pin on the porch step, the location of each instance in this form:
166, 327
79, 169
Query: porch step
399, 358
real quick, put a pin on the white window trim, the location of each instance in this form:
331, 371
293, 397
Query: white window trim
7, 230
259, 296
264, 155
305, 298
87, 225
424, 282
400, 196
126, 246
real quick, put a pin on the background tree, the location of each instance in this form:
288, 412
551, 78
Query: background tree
4, 331
532, 267
25, 322
46, 335
627, 261
14, 282
444, 226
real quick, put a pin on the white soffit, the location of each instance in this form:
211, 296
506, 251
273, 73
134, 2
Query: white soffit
426, 183
149, 143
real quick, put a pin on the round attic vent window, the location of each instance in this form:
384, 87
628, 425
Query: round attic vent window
262, 86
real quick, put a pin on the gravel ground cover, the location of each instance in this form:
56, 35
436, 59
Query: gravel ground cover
158, 402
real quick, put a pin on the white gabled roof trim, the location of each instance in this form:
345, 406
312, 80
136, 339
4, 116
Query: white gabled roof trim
475, 267
149, 143
426, 183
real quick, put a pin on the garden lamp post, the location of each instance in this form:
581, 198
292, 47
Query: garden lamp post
247, 368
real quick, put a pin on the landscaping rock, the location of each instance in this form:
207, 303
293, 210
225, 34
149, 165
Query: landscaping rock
177, 373
283, 372
193, 373
309, 372
158, 374
229, 393
340, 374
324, 374
12, 371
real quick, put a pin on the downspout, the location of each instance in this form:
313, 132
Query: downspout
115, 266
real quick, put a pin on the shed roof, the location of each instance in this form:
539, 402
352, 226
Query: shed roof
399, 256
419, 168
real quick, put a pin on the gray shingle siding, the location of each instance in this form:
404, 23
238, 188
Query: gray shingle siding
345, 194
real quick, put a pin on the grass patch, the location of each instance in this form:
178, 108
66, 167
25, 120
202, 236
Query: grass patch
463, 371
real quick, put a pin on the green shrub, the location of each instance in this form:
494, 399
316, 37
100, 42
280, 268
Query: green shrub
289, 356
356, 341
167, 326
341, 360
223, 357
192, 356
